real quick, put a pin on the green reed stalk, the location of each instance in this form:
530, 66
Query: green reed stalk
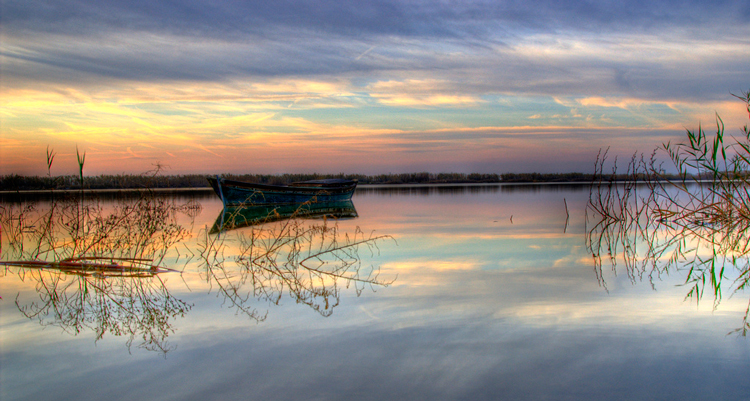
81, 160
50, 158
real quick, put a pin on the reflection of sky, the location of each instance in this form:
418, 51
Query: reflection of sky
481, 308
374, 87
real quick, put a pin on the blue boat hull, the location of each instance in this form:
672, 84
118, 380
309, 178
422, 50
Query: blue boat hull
235, 193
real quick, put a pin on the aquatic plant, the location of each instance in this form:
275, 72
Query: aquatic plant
95, 268
81, 161
698, 223
50, 159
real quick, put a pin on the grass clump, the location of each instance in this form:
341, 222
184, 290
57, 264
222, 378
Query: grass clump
696, 221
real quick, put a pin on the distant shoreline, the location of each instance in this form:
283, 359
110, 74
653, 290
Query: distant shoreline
209, 190
198, 182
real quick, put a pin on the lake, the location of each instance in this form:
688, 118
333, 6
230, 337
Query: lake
431, 293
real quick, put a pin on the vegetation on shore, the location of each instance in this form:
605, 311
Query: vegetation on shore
27, 183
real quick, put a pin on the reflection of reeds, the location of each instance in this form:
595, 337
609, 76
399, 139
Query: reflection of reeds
308, 261
710, 257
137, 307
97, 269
134, 307
697, 224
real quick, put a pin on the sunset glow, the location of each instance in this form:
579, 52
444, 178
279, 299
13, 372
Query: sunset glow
367, 87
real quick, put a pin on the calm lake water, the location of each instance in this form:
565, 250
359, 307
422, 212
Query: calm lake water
481, 292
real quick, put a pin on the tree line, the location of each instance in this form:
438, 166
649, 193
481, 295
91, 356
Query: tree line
16, 182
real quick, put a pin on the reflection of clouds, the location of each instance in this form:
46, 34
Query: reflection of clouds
563, 298
629, 311
433, 265
455, 361
369, 313
578, 256
545, 331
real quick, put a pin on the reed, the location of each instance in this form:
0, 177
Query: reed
97, 269
50, 159
81, 160
697, 223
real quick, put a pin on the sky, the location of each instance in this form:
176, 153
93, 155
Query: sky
367, 86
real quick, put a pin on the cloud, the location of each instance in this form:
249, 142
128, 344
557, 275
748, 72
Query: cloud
419, 93
532, 47
426, 73
229, 18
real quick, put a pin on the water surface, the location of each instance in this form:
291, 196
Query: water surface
485, 292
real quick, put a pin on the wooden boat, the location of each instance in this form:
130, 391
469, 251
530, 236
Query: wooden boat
243, 216
234, 193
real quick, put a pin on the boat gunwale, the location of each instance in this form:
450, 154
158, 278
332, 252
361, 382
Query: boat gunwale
286, 188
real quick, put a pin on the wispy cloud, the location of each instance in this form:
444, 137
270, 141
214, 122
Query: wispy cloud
365, 52
377, 76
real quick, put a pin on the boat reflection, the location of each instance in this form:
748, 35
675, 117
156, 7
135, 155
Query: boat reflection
95, 268
282, 252
232, 217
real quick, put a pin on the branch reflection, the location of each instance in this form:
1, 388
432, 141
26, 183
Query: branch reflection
95, 268
300, 252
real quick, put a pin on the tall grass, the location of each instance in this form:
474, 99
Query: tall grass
50, 159
696, 222
81, 160
96, 269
